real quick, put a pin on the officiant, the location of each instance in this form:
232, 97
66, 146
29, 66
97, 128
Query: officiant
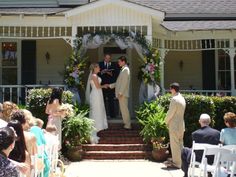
109, 72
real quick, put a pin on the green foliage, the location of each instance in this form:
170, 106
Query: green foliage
216, 107
77, 129
37, 101
223, 105
74, 70
151, 116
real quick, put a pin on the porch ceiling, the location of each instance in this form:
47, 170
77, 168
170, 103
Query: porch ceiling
199, 25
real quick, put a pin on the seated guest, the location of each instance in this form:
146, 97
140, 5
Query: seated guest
7, 143
3, 123
30, 139
228, 135
205, 134
19, 153
8, 108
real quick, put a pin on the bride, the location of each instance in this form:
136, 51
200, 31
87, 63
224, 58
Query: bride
94, 97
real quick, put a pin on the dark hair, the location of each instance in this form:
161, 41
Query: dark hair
105, 54
7, 137
175, 86
19, 115
123, 58
56, 94
18, 153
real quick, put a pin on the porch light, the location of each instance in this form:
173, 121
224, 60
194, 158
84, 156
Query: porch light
47, 56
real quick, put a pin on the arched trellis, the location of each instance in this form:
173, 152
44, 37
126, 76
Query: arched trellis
149, 72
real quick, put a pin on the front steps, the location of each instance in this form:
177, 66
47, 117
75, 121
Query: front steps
118, 143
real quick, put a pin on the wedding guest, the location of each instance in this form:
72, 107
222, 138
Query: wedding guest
19, 153
175, 122
8, 108
228, 135
30, 139
205, 134
54, 112
3, 123
7, 143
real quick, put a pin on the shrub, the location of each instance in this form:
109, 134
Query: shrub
37, 101
223, 105
153, 122
77, 129
195, 106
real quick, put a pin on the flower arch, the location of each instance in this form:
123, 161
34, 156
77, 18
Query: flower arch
149, 71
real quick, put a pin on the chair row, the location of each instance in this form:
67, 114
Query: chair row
224, 163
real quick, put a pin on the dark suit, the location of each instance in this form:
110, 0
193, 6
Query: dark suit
109, 94
203, 135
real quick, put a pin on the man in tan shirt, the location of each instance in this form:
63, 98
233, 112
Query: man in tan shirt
175, 122
122, 90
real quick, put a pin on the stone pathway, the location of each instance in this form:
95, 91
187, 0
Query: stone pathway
120, 168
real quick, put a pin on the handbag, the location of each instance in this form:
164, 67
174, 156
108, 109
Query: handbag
59, 171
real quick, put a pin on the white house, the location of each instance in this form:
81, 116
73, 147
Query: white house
196, 40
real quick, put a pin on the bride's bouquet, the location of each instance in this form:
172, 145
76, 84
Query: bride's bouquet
67, 110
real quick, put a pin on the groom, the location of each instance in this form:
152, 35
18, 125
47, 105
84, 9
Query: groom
122, 90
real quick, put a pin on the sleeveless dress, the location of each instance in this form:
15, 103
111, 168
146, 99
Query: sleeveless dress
97, 111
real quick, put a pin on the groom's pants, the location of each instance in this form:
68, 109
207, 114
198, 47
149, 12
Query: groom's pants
123, 102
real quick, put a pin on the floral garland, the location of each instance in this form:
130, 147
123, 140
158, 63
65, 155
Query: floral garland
149, 71
74, 69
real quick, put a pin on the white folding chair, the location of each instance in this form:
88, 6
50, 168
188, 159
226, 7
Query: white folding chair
230, 158
193, 162
213, 151
38, 162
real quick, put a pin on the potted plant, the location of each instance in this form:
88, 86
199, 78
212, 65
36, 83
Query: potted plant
151, 116
77, 131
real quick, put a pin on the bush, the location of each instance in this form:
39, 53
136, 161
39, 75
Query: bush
37, 101
216, 107
153, 122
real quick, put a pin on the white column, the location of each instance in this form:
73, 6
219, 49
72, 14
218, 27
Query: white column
73, 35
232, 69
149, 30
162, 65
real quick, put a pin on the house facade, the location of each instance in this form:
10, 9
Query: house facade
196, 41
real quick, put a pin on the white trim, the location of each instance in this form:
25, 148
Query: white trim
100, 3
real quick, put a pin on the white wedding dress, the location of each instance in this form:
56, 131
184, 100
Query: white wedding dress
97, 111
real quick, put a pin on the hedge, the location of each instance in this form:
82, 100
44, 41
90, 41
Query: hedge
37, 101
195, 106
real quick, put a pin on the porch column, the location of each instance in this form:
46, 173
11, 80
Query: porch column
149, 31
162, 65
232, 69
73, 35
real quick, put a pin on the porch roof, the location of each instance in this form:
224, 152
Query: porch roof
31, 11
198, 25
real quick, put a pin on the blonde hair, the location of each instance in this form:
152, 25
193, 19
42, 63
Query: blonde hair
7, 109
39, 122
29, 117
93, 66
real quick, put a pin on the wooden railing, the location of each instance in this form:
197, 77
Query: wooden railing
18, 93
208, 92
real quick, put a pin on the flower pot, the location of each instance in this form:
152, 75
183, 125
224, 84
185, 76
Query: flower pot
160, 155
75, 153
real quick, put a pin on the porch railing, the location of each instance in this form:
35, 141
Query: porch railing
18, 93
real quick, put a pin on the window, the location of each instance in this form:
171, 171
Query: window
9, 63
223, 69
